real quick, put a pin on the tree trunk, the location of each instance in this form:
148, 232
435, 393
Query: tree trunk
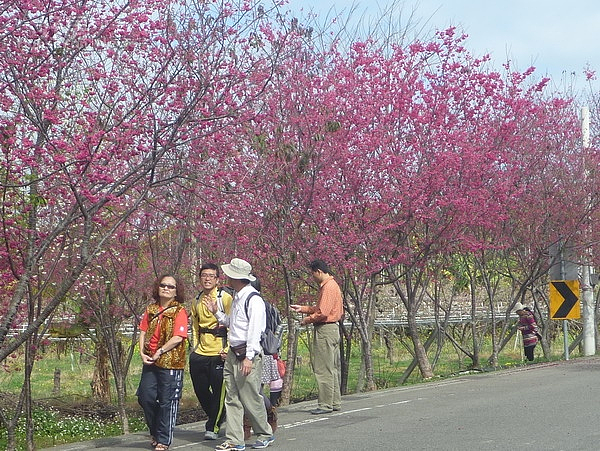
420, 352
292, 352
292, 342
475, 363
119, 374
345, 352
367, 358
10, 438
56, 386
121, 404
388, 346
366, 378
100, 379
29, 360
414, 362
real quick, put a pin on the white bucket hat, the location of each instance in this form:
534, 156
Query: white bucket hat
519, 306
238, 269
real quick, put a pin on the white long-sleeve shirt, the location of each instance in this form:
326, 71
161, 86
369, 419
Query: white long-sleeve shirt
242, 328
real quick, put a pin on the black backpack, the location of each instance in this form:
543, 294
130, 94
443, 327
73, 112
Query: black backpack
270, 339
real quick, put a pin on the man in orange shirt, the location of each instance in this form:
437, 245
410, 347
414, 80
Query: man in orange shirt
325, 354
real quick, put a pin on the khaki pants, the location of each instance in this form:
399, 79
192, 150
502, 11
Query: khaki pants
243, 395
326, 365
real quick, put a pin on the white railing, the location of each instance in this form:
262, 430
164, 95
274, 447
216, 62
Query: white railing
393, 317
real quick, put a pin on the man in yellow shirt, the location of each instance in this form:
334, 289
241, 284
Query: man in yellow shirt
209, 341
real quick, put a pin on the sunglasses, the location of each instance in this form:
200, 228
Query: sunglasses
166, 285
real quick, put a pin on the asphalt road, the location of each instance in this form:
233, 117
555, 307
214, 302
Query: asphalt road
551, 406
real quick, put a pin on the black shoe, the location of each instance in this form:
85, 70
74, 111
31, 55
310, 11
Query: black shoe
337, 409
320, 411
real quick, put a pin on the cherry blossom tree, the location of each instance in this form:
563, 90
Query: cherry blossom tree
437, 147
77, 138
101, 103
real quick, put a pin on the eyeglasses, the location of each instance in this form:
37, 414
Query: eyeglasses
208, 276
166, 285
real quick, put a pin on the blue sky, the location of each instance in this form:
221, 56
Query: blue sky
558, 37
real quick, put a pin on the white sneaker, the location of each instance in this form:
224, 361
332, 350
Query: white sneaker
210, 435
263, 443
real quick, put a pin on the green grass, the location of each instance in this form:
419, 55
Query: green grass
75, 363
52, 428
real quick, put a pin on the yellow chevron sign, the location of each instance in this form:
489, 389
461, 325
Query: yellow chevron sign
564, 299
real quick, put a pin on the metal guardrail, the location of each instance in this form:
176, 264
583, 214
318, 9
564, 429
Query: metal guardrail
126, 330
423, 320
391, 317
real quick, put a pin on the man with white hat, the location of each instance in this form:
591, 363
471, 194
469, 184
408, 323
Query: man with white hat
243, 365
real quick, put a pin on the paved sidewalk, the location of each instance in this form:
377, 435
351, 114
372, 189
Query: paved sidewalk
186, 436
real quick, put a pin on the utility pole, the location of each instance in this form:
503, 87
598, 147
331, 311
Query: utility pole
587, 289
565, 322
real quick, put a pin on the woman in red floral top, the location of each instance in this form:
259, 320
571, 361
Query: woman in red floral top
163, 332
528, 328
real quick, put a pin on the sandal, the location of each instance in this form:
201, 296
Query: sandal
153, 443
161, 447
